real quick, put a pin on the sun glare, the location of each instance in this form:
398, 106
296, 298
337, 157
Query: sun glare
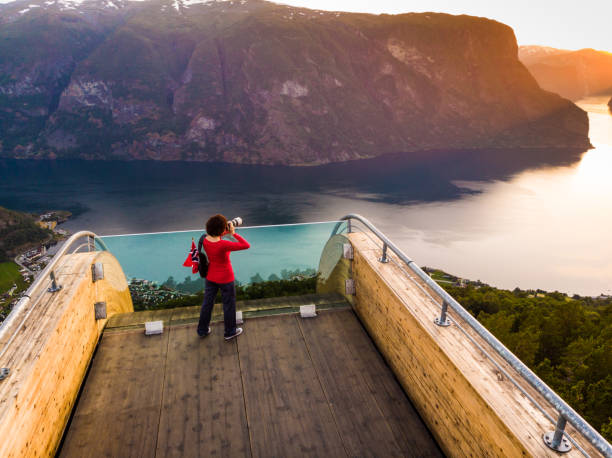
563, 25
593, 172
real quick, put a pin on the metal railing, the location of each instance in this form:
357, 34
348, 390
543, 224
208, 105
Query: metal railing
565, 413
47, 275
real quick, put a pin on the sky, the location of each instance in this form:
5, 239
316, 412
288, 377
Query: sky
565, 24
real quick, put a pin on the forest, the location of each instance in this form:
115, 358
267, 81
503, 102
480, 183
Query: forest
566, 341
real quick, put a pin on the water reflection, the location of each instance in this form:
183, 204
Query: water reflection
528, 218
547, 228
119, 197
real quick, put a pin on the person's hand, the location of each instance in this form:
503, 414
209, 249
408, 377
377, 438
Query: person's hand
231, 228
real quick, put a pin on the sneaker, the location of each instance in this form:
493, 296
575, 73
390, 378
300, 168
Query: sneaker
205, 334
236, 334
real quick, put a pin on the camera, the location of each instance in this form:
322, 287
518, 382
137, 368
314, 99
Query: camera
237, 221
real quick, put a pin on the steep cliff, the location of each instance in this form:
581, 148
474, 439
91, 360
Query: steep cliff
571, 74
254, 82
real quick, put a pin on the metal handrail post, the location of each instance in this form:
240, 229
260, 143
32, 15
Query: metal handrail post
54, 286
559, 431
555, 439
564, 410
442, 320
384, 258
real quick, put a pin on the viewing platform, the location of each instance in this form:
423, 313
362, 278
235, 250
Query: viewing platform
288, 386
391, 365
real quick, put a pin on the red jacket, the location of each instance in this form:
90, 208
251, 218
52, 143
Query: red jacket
219, 265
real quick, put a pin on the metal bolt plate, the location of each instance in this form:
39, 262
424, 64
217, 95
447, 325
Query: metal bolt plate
349, 287
439, 322
100, 310
384, 260
308, 311
347, 251
97, 271
564, 446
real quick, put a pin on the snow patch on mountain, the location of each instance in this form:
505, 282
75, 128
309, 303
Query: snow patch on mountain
188, 3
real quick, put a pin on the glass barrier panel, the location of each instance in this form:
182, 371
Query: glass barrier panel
277, 252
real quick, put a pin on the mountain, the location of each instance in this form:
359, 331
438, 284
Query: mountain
572, 74
255, 82
530, 54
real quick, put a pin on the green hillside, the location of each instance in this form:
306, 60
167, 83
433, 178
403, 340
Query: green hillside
9, 275
566, 341
18, 232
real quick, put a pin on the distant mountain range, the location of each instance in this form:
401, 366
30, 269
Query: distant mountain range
572, 74
255, 82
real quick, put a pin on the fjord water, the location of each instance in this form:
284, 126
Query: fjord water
159, 256
533, 219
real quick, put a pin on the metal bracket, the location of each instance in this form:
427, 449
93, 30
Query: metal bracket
97, 272
308, 311
100, 310
347, 251
54, 286
349, 287
555, 439
154, 327
442, 320
4, 373
239, 319
563, 447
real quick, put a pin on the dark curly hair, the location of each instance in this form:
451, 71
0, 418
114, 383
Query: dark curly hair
216, 225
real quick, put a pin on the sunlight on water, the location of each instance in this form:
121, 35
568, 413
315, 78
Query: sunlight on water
533, 219
274, 249
593, 174
548, 228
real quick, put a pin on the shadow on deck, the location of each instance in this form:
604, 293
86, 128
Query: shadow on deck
287, 387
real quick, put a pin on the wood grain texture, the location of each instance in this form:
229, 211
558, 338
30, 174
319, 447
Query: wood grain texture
118, 415
51, 352
286, 387
286, 407
468, 406
371, 411
203, 405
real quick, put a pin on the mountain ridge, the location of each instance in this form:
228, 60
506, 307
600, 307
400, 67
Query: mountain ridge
571, 74
256, 82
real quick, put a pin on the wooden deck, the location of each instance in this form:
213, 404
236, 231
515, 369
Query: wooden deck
287, 387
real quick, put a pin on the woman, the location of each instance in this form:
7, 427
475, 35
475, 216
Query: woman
220, 275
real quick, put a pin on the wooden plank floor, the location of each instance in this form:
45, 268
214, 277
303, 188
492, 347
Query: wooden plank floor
287, 387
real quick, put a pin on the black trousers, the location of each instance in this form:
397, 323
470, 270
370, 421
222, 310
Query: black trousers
228, 295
